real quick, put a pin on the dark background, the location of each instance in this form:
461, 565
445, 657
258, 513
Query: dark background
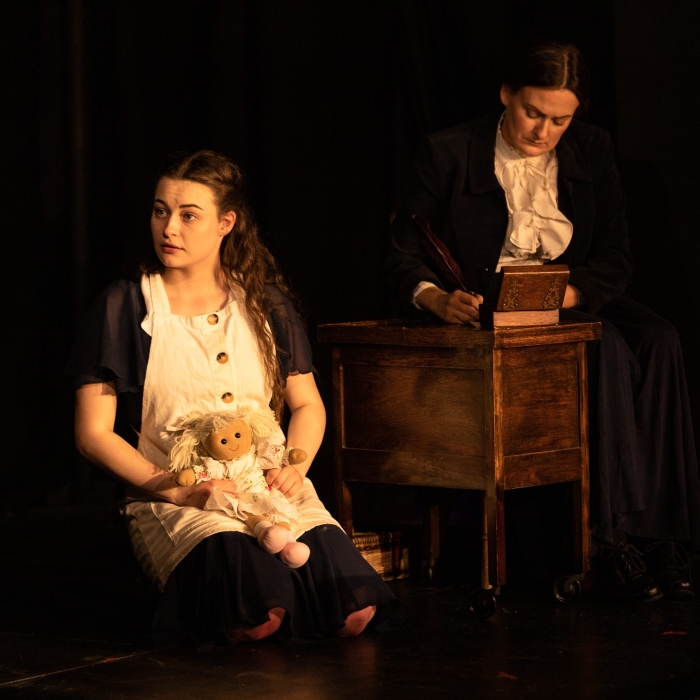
322, 103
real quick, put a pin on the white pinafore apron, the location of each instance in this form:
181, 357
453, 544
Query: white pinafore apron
210, 363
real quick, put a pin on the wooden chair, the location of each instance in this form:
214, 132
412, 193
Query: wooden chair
458, 407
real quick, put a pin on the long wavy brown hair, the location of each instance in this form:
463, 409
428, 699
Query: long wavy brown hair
245, 259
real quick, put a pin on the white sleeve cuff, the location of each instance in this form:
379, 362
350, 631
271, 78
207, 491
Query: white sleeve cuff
419, 288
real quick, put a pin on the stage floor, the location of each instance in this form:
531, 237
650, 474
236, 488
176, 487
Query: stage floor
72, 624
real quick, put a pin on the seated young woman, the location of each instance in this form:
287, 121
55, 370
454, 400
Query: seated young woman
209, 326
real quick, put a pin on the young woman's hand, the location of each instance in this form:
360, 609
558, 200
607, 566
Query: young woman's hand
286, 480
198, 494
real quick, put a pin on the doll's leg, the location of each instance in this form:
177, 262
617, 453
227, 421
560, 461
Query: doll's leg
271, 538
294, 554
261, 631
277, 539
356, 622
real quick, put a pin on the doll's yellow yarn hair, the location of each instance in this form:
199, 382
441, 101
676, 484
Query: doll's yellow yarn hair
192, 430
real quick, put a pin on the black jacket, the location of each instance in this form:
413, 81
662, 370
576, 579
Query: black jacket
454, 187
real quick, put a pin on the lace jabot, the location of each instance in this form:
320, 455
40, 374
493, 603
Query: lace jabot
537, 230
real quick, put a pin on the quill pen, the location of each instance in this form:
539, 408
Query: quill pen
441, 256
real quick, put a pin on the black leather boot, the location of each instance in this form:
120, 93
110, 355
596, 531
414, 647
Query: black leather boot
624, 576
669, 564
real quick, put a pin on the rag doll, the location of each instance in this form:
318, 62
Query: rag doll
240, 446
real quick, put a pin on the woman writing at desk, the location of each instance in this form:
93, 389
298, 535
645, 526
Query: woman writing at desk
533, 186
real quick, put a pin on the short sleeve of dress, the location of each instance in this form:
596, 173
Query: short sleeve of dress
112, 346
289, 333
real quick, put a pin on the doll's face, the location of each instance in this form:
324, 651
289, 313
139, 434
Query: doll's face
230, 442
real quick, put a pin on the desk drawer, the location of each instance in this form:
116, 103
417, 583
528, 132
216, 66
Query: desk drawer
413, 409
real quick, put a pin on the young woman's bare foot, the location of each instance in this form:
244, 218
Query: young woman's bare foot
261, 631
356, 622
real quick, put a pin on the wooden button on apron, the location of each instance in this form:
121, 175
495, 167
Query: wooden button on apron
227, 397
222, 358
213, 319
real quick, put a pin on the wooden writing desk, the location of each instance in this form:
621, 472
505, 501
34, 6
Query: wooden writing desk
458, 407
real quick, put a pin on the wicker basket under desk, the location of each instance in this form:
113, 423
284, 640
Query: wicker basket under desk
384, 552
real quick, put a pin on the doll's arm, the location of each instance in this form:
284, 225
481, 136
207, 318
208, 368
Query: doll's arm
295, 456
273, 455
210, 470
187, 477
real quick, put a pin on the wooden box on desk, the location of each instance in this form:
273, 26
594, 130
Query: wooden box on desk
528, 295
459, 407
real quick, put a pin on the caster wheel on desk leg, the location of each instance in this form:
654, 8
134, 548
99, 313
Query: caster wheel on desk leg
567, 588
482, 604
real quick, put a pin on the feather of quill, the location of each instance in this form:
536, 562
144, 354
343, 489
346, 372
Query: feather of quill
438, 251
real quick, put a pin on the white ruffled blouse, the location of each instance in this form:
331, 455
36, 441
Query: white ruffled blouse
537, 230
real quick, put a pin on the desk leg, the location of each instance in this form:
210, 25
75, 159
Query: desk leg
496, 536
485, 577
482, 602
582, 534
582, 531
431, 540
437, 506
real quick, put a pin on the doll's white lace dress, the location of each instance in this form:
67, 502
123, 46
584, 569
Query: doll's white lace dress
254, 496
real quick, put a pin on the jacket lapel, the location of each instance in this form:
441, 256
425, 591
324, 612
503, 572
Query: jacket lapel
572, 166
482, 171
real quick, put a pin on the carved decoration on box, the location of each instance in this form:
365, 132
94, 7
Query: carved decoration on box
510, 303
552, 300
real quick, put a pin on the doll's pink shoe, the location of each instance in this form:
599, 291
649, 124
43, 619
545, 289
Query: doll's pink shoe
294, 554
271, 538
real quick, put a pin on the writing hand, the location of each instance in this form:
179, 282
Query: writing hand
455, 307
